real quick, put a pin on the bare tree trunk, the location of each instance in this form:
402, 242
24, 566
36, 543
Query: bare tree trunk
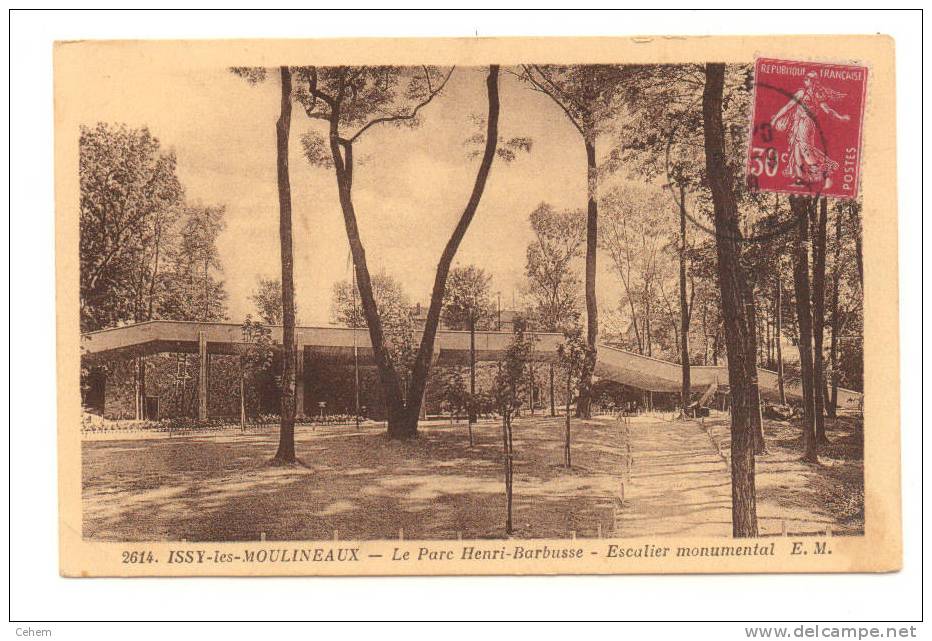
836, 319
754, 408
509, 469
731, 282
242, 395
530, 387
818, 317
648, 339
800, 206
584, 402
553, 403
778, 338
854, 209
567, 460
286, 450
472, 377
684, 308
769, 358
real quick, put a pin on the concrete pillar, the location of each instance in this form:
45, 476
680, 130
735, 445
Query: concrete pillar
202, 375
299, 380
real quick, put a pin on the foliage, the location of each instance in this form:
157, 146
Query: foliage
129, 193
510, 374
191, 291
573, 354
506, 150
257, 348
144, 253
267, 300
399, 322
252, 75
454, 392
466, 299
591, 96
639, 233
552, 281
506, 391
351, 100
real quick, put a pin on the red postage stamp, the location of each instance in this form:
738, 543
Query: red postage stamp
806, 128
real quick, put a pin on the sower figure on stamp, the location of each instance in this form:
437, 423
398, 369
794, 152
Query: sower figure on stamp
807, 164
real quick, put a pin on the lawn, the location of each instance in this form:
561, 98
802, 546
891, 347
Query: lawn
354, 485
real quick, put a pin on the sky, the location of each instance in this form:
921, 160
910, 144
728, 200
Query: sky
410, 185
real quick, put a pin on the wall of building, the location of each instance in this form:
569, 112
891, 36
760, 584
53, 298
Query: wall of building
173, 379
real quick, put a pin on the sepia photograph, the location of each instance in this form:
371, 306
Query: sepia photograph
408, 307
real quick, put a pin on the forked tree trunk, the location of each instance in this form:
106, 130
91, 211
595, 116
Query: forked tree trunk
800, 206
731, 282
584, 401
404, 406
819, 220
286, 451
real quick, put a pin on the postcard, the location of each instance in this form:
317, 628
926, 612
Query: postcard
477, 306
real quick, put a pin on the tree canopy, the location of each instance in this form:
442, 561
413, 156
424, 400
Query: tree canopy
144, 253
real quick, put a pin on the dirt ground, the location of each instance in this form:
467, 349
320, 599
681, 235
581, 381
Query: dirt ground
679, 481
649, 476
807, 497
355, 486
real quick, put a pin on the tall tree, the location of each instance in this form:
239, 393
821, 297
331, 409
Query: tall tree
129, 194
661, 139
731, 282
588, 96
801, 207
819, 221
685, 305
778, 337
846, 295
198, 255
635, 231
467, 304
552, 282
286, 449
190, 281
351, 101
754, 399
285, 455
